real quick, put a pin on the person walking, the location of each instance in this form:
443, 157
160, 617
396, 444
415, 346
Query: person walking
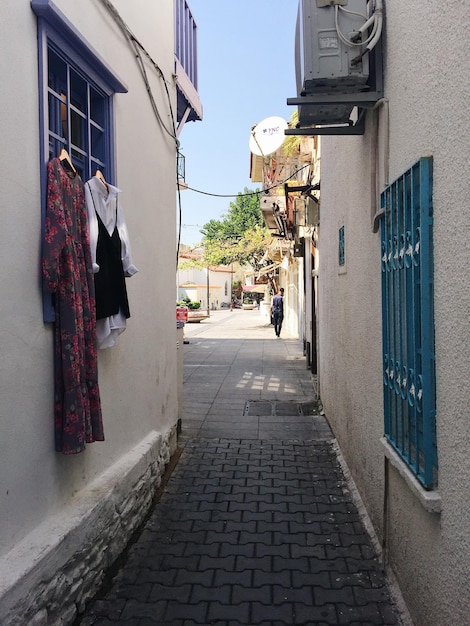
277, 311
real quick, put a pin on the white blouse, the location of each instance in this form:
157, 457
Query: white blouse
105, 201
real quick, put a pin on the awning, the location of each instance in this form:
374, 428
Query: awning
255, 288
264, 270
267, 270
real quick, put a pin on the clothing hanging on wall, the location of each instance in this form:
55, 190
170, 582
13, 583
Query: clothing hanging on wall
111, 258
67, 272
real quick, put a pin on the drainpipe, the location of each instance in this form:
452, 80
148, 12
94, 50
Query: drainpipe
377, 212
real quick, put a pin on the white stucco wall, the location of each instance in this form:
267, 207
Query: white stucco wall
218, 280
138, 381
350, 313
427, 83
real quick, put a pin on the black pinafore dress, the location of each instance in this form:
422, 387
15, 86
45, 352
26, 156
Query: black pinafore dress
110, 283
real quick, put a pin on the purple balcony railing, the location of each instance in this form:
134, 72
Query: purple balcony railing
189, 105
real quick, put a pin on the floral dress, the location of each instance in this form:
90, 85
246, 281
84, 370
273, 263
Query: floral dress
68, 275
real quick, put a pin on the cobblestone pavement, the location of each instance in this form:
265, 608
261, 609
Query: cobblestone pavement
257, 523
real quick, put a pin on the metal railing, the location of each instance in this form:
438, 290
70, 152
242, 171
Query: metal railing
186, 40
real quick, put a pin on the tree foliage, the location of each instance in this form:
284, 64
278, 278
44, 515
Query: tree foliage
244, 213
240, 236
248, 248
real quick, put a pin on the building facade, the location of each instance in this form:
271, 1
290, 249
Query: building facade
211, 286
290, 176
393, 306
87, 78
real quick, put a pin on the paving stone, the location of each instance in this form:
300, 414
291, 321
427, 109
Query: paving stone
94, 620
105, 610
248, 526
250, 531
135, 610
170, 592
167, 577
242, 579
201, 593
282, 551
252, 594
266, 612
369, 613
206, 577
312, 615
138, 592
227, 612
313, 579
247, 550
177, 610
298, 594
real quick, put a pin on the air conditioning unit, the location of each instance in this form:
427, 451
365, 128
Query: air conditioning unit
273, 209
325, 63
306, 211
273, 203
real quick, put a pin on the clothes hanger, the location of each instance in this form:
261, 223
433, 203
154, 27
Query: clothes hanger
65, 158
100, 177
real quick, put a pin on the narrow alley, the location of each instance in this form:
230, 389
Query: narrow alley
257, 523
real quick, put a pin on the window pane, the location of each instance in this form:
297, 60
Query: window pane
341, 246
57, 117
78, 92
98, 144
79, 163
57, 73
97, 107
54, 147
77, 130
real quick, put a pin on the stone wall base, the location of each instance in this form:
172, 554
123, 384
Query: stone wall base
48, 577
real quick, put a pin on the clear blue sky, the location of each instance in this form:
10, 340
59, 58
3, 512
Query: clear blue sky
246, 73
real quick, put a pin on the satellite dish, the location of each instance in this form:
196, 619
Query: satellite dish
268, 136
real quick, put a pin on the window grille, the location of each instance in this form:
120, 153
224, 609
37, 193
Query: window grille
341, 258
408, 321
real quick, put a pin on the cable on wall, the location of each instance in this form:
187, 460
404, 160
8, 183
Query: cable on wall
140, 49
139, 52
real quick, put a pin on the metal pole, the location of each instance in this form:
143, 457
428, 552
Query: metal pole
208, 294
231, 287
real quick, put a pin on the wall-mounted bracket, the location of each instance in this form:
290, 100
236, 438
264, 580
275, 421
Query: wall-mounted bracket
328, 104
327, 3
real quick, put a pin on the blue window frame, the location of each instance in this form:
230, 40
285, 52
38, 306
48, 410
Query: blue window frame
341, 257
78, 116
76, 89
408, 321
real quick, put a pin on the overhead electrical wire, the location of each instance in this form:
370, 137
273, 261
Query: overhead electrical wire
140, 50
251, 193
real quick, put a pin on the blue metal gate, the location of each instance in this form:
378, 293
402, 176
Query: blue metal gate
408, 320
